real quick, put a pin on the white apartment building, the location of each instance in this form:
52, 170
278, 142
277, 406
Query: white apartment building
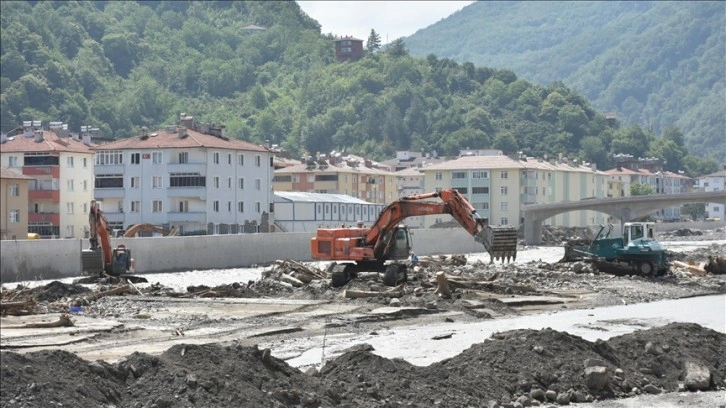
191, 177
714, 182
60, 170
498, 186
411, 181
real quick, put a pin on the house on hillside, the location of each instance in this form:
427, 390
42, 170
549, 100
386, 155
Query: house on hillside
59, 165
348, 49
189, 176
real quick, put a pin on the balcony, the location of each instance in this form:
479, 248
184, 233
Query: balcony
188, 192
200, 168
53, 171
44, 218
186, 217
114, 217
102, 193
53, 195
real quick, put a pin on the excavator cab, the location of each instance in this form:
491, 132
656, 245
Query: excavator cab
400, 244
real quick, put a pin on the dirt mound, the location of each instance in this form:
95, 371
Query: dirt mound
50, 292
518, 365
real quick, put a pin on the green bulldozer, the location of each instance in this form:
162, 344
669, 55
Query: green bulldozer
635, 252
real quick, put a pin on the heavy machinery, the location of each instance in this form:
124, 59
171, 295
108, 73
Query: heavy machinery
101, 260
386, 245
149, 228
637, 251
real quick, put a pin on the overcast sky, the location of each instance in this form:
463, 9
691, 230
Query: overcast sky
390, 19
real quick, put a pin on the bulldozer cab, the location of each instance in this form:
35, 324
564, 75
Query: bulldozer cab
633, 231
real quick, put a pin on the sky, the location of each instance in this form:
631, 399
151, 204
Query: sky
390, 19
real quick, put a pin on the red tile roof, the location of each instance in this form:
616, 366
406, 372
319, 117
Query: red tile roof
162, 139
50, 143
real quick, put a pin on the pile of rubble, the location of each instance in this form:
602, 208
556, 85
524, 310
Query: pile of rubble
514, 368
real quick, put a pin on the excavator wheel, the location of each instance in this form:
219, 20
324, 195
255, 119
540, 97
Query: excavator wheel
340, 275
391, 275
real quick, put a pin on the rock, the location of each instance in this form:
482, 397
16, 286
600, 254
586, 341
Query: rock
563, 398
597, 378
653, 349
580, 396
191, 380
698, 377
594, 362
312, 371
537, 394
652, 389
524, 401
550, 395
395, 302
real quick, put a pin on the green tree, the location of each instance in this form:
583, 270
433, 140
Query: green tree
695, 211
639, 189
374, 41
397, 48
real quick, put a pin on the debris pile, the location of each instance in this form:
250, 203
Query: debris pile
519, 366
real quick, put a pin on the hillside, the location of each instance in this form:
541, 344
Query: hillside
119, 66
654, 64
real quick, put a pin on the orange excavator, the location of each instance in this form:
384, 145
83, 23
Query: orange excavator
101, 261
382, 247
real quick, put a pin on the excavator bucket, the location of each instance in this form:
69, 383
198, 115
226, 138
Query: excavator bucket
500, 242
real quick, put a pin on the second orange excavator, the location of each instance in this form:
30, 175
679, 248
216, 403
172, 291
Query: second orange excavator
384, 246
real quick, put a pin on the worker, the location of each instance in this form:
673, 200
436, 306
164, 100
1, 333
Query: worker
413, 258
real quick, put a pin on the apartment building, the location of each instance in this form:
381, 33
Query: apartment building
14, 199
649, 171
60, 167
189, 176
339, 174
306, 212
498, 186
411, 181
714, 182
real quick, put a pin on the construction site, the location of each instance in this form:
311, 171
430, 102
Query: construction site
450, 330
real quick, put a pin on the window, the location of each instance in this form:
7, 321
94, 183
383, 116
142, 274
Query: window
69, 185
503, 190
241, 160
462, 190
85, 208
479, 174
258, 184
229, 206
503, 206
69, 208
183, 157
346, 49
481, 206
109, 157
311, 178
183, 206
216, 181
504, 174
215, 205
439, 176
258, 207
85, 185
187, 180
282, 178
135, 182
503, 221
14, 216
257, 160
480, 190
156, 182
458, 175
69, 231
13, 161
156, 158
109, 181
241, 183
85, 162
229, 158
135, 206
157, 206
69, 161
549, 176
229, 182
215, 157
241, 206
14, 190
135, 158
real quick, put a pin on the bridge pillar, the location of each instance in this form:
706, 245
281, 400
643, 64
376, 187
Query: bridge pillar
532, 231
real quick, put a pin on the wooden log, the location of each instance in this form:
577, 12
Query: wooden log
694, 269
4, 306
443, 288
357, 294
291, 280
63, 321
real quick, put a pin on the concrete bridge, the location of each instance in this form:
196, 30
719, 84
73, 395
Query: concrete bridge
623, 208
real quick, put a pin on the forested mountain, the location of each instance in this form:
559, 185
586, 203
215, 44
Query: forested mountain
654, 64
121, 65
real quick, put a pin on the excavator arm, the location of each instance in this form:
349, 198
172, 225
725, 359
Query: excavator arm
99, 236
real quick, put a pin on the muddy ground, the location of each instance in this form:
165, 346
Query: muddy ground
150, 346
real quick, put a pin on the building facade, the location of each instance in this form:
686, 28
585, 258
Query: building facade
60, 167
337, 174
714, 182
498, 186
348, 49
190, 177
14, 199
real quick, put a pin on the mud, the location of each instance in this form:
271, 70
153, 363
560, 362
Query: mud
521, 365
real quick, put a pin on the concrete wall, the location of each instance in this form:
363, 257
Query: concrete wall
57, 258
